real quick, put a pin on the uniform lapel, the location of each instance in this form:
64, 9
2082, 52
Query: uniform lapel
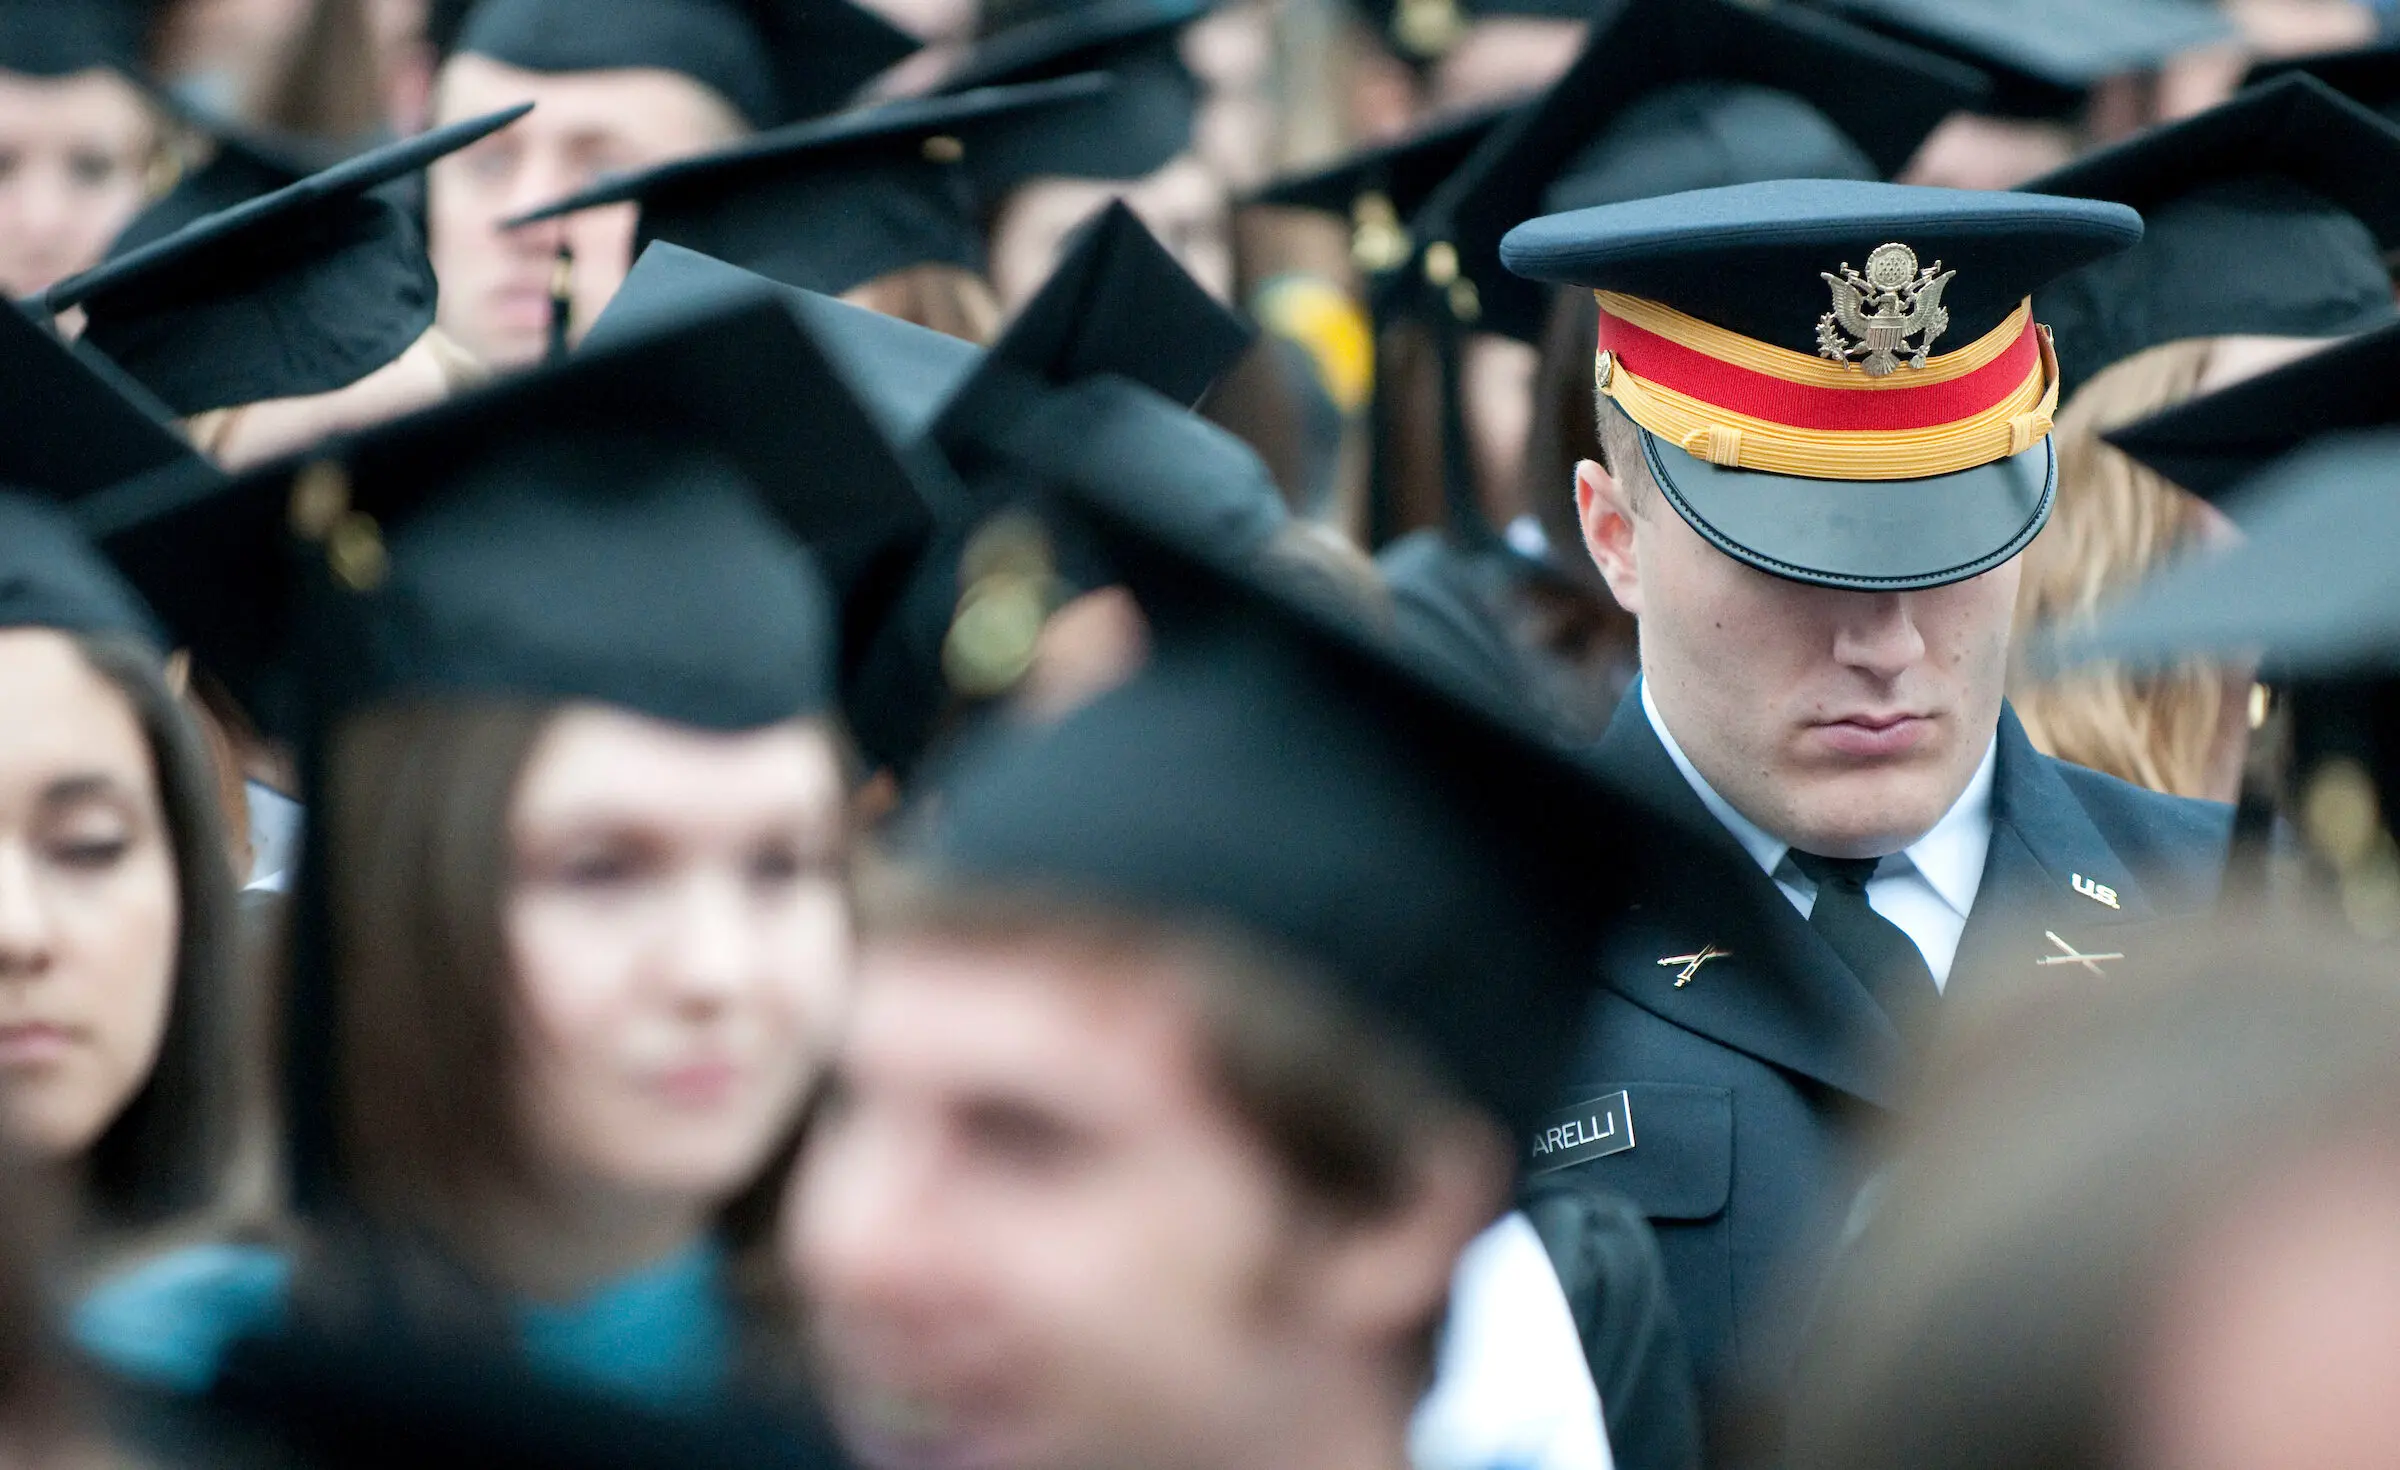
1776, 992
2052, 884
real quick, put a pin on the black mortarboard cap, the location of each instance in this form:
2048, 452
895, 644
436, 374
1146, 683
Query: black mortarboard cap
902, 372
71, 430
2310, 582
2369, 76
1380, 189
1433, 861
75, 424
831, 204
2045, 55
2308, 590
57, 38
1148, 117
376, 1388
2268, 215
1404, 171
1756, 260
2214, 444
304, 291
240, 168
1196, 474
1118, 304
618, 527
50, 577
776, 61
1674, 95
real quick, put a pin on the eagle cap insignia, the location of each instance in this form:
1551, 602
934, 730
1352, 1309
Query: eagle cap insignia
1875, 314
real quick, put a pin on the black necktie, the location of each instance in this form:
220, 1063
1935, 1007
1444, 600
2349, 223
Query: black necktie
1877, 950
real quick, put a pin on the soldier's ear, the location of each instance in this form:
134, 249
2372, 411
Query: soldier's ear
1604, 505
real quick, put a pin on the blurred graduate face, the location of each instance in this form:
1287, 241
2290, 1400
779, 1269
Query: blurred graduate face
2276, 1337
495, 298
1845, 723
1033, 1233
679, 925
89, 908
75, 168
1183, 204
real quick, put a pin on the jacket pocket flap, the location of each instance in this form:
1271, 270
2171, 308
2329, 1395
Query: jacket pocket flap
1666, 1146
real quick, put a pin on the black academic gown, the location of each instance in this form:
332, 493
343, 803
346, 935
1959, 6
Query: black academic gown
1747, 1085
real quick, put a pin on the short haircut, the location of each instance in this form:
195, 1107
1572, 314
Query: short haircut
1621, 452
1340, 1102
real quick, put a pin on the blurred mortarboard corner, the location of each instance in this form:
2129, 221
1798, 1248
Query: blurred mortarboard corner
2213, 445
622, 526
1149, 114
2268, 215
241, 165
71, 432
775, 61
58, 38
75, 424
303, 291
1674, 95
1118, 304
2369, 76
1381, 188
1330, 794
832, 204
2310, 582
2046, 55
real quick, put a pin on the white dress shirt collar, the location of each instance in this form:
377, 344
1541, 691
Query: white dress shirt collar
1949, 858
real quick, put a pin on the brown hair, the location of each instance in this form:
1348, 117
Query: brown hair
1344, 1107
168, 1153
417, 874
1995, 1309
1339, 1101
330, 83
2114, 520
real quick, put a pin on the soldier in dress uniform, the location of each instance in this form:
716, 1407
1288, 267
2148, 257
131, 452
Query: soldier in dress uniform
1289, 864
1825, 410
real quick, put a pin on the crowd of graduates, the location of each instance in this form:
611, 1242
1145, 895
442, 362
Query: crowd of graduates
1076, 734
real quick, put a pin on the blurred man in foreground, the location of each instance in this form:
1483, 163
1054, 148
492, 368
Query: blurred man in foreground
1170, 1104
2151, 1223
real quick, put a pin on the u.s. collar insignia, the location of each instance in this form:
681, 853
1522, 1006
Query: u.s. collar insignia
1875, 314
2068, 954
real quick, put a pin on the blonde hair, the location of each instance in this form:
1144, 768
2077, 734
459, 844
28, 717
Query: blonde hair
954, 302
2115, 520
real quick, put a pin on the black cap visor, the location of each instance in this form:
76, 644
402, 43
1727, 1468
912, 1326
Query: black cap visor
1863, 535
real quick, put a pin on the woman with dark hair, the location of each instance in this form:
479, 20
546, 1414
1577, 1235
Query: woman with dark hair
117, 1003
573, 922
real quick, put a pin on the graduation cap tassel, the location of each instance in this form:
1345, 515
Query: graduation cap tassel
562, 300
1460, 504
1383, 510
